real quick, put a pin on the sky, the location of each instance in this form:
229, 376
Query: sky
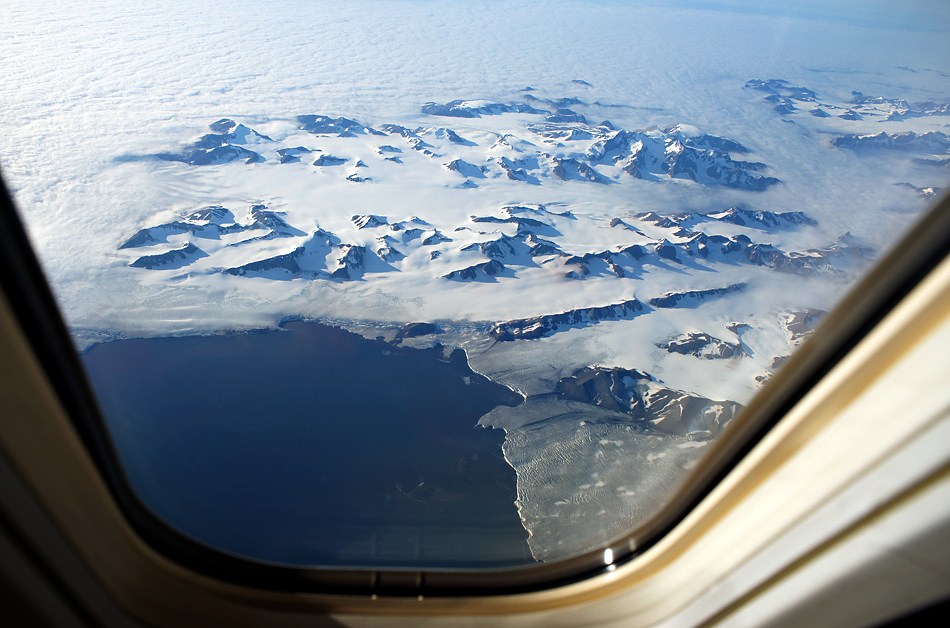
914, 15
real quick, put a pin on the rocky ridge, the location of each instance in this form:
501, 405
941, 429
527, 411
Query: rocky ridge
702, 345
644, 399
540, 326
572, 148
523, 236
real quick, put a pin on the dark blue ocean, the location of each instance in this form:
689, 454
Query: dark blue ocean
314, 446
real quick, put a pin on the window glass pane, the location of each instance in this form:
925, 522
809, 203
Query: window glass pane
464, 284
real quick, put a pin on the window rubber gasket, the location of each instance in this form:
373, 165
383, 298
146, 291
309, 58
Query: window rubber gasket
25, 286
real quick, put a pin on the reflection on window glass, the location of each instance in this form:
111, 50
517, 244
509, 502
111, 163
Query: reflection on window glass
470, 284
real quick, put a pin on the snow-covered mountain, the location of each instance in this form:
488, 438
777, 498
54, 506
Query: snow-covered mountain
927, 143
561, 145
791, 101
514, 229
635, 262
514, 241
224, 145
702, 345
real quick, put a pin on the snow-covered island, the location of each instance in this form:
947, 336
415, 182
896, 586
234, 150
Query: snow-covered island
629, 214
634, 336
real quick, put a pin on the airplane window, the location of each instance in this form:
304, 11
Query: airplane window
453, 285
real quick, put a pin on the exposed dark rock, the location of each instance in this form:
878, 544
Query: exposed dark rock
523, 223
516, 173
857, 98
540, 247
738, 328
566, 115
644, 399
435, 238
306, 261
325, 125
219, 147
704, 159
781, 88
263, 218
568, 169
213, 156
930, 142
351, 264
224, 125
665, 250
505, 246
940, 163
811, 262
329, 160
606, 260
175, 258
286, 262
565, 132
741, 248
455, 138
711, 166
389, 253
211, 214
478, 271
449, 134
414, 330
466, 169
701, 345
802, 323
416, 143
369, 221
538, 326
618, 223
928, 193
762, 219
692, 298
142, 237
395, 129
666, 222
476, 109
292, 155
208, 222
408, 234
705, 141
